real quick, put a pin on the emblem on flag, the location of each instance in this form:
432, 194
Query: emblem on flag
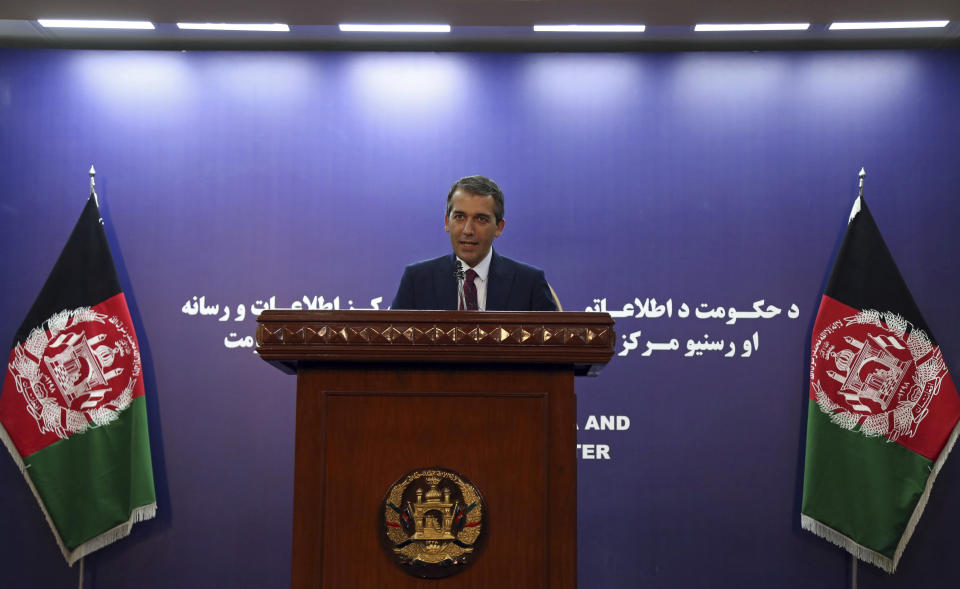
876, 371
73, 379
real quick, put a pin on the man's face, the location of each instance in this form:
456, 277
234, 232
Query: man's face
472, 225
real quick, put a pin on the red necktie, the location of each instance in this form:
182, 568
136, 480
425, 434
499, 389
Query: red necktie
470, 291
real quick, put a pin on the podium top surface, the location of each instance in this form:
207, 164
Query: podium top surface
289, 339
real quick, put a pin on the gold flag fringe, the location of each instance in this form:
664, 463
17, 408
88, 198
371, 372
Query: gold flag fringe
139, 514
871, 556
845, 542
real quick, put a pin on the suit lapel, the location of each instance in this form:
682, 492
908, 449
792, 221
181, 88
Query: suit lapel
499, 281
445, 284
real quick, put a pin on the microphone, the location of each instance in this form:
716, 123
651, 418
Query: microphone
461, 301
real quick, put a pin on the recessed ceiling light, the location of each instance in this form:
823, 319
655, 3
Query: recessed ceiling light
94, 24
903, 24
754, 27
589, 28
212, 26
352, 28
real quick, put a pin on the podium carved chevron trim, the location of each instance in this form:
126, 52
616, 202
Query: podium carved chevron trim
436, 334
291, 337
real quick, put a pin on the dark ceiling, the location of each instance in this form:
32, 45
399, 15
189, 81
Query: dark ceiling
491, 24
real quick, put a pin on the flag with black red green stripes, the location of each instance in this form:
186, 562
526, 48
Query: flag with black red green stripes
883, 412
72, 407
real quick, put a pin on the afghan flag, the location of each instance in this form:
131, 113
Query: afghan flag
72, 409
883, 411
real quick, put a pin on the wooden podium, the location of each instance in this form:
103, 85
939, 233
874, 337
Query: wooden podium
486, 394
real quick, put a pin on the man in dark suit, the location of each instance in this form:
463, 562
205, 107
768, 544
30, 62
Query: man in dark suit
490, 282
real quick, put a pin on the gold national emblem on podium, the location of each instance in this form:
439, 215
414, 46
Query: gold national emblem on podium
433, 523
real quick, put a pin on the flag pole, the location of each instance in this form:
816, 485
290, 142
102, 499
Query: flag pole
853, 571
854, 562
93, 193
93, 185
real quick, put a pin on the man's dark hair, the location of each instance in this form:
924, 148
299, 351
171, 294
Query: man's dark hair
479, 185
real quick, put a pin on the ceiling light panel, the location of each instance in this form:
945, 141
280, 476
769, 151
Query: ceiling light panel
705, 28
196, 26
94, 24
903, 24
361, 28
589, 28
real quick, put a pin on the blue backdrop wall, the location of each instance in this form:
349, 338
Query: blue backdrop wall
241, 180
